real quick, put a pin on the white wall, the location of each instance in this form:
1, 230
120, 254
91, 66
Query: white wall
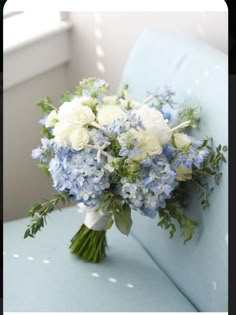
116, 32
24, 183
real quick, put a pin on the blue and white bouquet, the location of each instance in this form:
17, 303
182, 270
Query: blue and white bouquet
117, 155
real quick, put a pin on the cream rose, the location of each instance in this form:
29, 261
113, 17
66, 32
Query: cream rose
62, 131
155, 123
183, 173
79, 138
106, 114
181, 140
148, 141
76, 113
52, 119
151, 143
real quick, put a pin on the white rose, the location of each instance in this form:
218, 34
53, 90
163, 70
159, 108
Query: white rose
183, 173
76, 113
181, 140
110, 100
151, 143
155, 123
62, 132
52, 119
79, 138
106, 114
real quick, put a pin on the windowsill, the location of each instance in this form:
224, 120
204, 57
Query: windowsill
31, 38
33, 54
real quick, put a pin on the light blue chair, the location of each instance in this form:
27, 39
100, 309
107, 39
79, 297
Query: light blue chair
145, 271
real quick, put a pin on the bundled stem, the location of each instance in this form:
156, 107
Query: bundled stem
89, 245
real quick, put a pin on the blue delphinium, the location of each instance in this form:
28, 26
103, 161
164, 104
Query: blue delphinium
129, 145
124, 124
194, 156
44, 151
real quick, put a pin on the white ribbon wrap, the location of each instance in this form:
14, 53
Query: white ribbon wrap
96, 220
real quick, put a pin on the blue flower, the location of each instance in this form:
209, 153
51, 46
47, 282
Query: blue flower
129, 145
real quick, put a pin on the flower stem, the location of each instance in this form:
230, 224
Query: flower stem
89, 245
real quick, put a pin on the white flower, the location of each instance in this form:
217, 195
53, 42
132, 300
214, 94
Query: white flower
147, 141
79, 138
52, 119
62, 132
181, 140
151, 143
110, 100
155, 123
76, 113
183, 173
106, 114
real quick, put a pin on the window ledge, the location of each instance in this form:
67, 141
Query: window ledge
36, 54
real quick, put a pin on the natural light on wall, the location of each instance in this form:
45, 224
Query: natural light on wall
21, 27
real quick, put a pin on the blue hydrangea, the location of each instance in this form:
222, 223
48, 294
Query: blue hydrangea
148, 193
79, 174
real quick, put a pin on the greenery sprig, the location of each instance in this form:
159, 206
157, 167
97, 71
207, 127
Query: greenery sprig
39, 212
174, 212
210, 168
89, 86
46, 105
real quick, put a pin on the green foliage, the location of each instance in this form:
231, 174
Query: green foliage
122, 216
66, 97
46, 105
210, 168
189, 112
121, 212
123, 89
114, 147
44, 167
174, 212
39, 212
122, 167
45, 132
88, 85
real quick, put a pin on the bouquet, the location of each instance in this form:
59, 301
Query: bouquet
117, 155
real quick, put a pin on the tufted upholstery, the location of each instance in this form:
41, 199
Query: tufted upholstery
146, 271
198, 71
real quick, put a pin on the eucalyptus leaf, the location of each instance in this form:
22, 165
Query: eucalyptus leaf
123, 220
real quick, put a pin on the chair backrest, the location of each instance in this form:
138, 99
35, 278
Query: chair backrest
191, 68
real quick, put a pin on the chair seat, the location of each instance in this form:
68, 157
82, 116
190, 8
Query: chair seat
41, 275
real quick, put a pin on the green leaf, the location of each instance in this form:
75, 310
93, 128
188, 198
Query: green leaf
39, 211
44, 167
123, 220
27, 233
46, 105
66, 97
